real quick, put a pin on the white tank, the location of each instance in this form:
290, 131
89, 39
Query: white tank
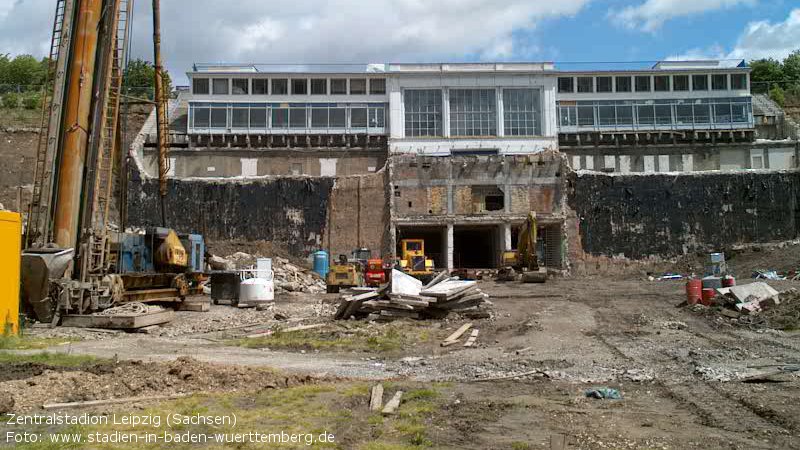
255, 291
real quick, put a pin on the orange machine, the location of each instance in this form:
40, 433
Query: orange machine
375, 275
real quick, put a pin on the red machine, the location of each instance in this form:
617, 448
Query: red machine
375, 275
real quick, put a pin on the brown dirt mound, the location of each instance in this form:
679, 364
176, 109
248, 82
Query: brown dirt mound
34, 385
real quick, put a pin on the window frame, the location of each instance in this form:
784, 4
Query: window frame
696, 77
719, 87
564, 87
739, 76
610, 80
333, 82
246, 86
647, 79
296, 82
207, 84
214, 86
585, 89
627, 78
518, 118
381, 83
358, 81
315, 82
665, 88
688, 85
478, 118
276, 82
426, 119
259, 81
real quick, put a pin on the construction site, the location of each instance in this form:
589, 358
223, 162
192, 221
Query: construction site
397, 255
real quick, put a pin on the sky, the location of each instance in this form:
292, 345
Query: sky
571, 33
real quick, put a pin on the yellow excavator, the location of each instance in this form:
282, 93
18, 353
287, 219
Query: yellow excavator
524, 260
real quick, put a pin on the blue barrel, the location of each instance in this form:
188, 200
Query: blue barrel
321, 263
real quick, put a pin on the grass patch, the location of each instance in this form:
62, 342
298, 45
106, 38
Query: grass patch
9, 342
50, 359
340, 409
359, 338
20, 117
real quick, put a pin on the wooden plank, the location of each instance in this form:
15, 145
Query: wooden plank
112, 401
303, 327
376, 399
194, 306
472, 338
393, 404
118, 322
457, 334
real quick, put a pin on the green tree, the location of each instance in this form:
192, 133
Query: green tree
777, 95
139, 79
791, 68
765, 71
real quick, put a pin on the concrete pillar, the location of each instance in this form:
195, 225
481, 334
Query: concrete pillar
506, 236
449, 247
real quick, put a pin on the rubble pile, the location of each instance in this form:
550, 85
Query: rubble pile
288, 277
758, 305
405, 297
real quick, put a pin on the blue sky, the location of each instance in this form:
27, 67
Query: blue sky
363, 31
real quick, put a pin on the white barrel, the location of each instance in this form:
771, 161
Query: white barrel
254, 291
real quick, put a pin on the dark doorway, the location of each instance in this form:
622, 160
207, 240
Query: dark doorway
475, 247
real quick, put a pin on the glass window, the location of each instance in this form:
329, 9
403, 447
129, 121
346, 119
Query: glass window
643, 83
740, 112
319, 86
219, 117
663, 114
623, 84
260, 86
603, 84
319, 117
567, 116
258, 117
473, 112
661, 83
358, 86
280, 86
220, 86
586, 114
423, 112
680, 82
339, 86
201, 118
684, 114
719, 82
299, 87
337, 117
699, 82
280, 117
722, 112
586, 84
377, 117
521, 112
646, 114
624, 113
358, 117
606, 114
200, 86
739, 81
240, 86
566, 84
297, 117
240, 117
377, 86
702, 113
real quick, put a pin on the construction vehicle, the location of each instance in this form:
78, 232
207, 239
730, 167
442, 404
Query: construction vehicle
524, 261
345, 273
72, 259
375, 274
413, 260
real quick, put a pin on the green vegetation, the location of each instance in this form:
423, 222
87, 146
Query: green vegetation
779, 79
50, 359
359, 337
10, 342
309, 409
139, 79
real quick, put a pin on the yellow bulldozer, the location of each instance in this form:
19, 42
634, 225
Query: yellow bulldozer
524, 260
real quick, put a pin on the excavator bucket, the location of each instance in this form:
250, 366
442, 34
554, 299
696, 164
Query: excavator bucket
39, 267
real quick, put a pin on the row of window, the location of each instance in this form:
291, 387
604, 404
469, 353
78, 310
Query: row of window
473, 112
288, 86
260, 116
654, 83
664, 113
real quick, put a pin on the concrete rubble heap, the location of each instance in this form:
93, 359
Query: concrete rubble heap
406, 297
288, 277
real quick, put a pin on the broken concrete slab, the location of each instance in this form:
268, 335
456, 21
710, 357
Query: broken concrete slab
758, 290
405, 284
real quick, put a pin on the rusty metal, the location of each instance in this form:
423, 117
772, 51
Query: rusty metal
40, 214
77, 115
162, 119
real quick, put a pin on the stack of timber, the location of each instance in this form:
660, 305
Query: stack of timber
406, 297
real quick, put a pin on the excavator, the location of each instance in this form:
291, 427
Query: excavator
524, 261
74, 253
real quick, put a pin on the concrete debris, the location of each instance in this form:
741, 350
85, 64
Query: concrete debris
288, 277
436, 301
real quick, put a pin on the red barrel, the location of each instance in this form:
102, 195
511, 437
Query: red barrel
728, 281
694, 291
708, 296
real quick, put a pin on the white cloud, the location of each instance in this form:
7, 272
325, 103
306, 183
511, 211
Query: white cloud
761, 39
651, 15
307, 31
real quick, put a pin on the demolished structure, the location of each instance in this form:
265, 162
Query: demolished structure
459, 154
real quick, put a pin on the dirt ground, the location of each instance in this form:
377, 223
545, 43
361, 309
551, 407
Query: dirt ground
683, 372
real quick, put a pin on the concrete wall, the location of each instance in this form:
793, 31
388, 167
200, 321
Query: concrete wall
218, 163
665, 215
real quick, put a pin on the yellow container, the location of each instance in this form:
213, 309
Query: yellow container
10, 257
